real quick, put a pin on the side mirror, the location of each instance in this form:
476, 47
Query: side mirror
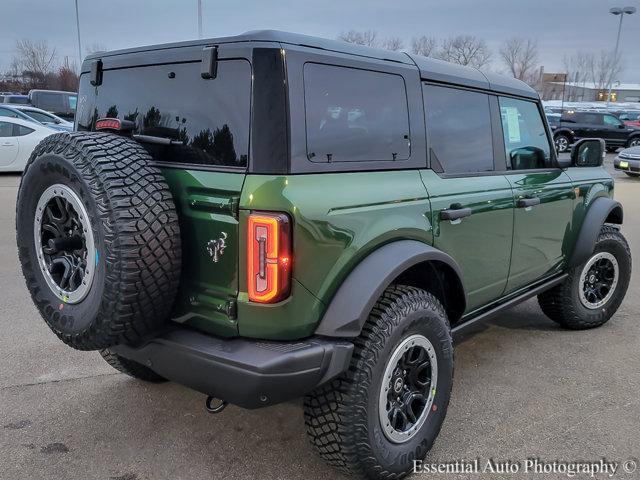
588, 152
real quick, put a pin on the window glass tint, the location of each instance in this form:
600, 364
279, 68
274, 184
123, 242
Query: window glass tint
5, 112
525, 138
52, 102
209, 119
73, 102
6, 129
459, 125
591, 118
21, 131
611, 121
18, 100
41, 117
355, 115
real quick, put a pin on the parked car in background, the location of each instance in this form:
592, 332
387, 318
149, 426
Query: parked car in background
46, 118
18, 99
576, 125
18, 138
630, 118
628, 161
12, 112
62, 104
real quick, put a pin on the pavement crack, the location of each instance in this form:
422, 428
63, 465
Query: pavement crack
59, 380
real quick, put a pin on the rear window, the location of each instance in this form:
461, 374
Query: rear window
355, 115
209, 118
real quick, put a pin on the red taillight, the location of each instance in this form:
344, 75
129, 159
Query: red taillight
268, 257
108, 124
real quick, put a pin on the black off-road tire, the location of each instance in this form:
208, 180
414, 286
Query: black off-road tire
342, 416
562, 303
136, 234
131, 368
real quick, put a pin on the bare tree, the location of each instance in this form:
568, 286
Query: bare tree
368, 37
34, 56
605, 69
67, 76
465, 50
578, 67
424, 46
393, 43
520, 56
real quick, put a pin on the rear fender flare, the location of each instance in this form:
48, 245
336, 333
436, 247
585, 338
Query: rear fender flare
354, 300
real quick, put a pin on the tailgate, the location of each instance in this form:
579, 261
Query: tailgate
207, 204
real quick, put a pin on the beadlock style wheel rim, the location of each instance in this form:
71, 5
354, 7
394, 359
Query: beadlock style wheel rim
64, 243
598, 280
408, 388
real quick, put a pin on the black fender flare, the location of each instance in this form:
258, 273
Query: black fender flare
601, 209
354, 300
567, 132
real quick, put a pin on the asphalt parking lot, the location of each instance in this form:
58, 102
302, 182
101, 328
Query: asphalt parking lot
523, 388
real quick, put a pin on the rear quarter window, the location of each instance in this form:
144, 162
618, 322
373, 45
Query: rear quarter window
355, 115
210, 119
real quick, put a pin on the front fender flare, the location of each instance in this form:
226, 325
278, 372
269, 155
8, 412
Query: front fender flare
601, 209
354, 300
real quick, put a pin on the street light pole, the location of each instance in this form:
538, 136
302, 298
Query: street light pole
621, 12
199, 19
78, 31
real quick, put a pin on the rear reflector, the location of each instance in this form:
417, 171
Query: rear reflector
268, 257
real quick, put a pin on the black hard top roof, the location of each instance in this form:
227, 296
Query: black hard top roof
430, 69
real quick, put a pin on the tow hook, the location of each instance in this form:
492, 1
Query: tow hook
221, 404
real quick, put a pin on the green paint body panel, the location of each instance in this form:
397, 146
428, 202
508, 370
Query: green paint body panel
481, 243
340, 218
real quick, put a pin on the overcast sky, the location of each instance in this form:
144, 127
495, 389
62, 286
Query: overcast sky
559, 26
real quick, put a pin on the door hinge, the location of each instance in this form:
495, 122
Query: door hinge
209, 68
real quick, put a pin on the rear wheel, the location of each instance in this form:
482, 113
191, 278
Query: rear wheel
632, 174
388, 408
595, 289
633, 142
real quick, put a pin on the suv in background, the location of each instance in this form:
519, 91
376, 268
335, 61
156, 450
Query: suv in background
273, 216
577, 125
62, 104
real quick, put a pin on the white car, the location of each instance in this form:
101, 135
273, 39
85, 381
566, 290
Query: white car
46, 118
18, 138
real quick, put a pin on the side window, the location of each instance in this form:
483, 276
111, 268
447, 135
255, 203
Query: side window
355, 115
611, 121
52, 102
459, 125
525, 138
590, 118
6, 129
73, 102
4, 112
21, 131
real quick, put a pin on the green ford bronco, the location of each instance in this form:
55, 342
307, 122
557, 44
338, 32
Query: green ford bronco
274, 216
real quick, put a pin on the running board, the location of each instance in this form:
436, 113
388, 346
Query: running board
485, 314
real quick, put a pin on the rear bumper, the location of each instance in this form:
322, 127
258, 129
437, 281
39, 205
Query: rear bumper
632, 164
248, 373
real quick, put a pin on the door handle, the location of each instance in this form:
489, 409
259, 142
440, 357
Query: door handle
527, 202
454, 213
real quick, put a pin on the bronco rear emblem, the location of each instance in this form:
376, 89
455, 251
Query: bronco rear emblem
216, 247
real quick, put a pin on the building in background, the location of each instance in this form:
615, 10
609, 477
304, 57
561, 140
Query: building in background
555, 87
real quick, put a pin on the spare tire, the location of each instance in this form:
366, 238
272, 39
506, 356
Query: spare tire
98, 239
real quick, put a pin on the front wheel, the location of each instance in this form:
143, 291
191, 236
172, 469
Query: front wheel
388, 408
595, 289
562, 143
